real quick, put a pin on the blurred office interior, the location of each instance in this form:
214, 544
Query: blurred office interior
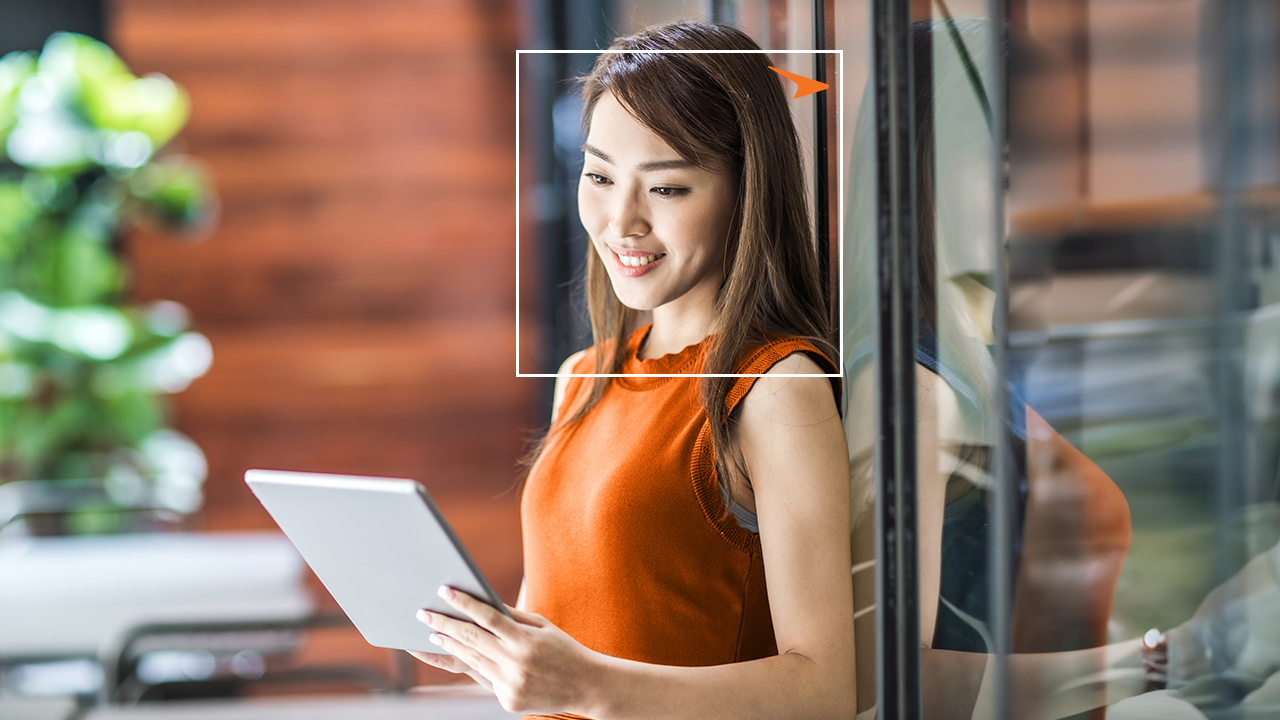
1116, 259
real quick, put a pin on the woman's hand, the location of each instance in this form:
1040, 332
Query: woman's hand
450, 663
530, 664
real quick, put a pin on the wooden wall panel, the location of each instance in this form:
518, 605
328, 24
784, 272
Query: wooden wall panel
359, 288
320, 32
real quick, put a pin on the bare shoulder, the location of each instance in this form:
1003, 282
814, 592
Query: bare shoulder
566, 367
780, 397
791, 441
562, 381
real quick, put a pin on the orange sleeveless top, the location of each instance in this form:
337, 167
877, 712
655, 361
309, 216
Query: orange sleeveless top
627, 543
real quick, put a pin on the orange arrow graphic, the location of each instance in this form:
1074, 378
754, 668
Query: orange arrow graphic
804, 86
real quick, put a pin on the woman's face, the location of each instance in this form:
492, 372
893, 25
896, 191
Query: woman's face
659, 224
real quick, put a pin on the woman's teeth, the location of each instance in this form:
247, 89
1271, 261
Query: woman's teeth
636, 260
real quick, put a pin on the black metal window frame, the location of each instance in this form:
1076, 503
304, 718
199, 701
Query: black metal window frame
898, 641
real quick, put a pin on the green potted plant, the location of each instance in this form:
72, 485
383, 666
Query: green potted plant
84, 371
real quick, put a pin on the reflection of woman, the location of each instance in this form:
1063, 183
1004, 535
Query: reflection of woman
1069, 549
686, 542
1075, 529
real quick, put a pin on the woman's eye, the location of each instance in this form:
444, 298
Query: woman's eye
597, 179
669, 191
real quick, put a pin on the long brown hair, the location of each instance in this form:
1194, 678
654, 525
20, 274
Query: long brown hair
724, 112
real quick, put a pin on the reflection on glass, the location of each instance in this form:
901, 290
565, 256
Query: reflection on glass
1143, 361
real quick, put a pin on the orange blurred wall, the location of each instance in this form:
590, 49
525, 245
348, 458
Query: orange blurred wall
359, 288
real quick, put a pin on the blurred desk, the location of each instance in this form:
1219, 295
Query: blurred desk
20, 708
442, 703
66, 596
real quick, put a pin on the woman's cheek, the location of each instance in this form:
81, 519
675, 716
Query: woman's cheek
589, 210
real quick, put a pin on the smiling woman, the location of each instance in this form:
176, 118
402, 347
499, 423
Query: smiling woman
649, 210
686, 540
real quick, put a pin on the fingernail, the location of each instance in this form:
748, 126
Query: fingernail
1152, 638
445, 592
434, 638
424, 616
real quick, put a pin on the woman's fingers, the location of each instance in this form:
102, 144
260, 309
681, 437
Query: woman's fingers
467, 633
442, 661
483, 615
476, 660
452, 664
532, 666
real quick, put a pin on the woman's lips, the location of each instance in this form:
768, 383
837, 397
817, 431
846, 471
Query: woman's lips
634, 263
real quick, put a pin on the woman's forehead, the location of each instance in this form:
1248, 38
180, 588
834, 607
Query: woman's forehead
617, 137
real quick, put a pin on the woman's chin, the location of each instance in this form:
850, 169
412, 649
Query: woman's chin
638, 306
635, 301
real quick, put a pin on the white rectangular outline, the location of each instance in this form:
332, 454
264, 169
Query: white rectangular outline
840, 220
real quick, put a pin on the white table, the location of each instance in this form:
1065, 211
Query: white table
66, 596
22, 708
441, 703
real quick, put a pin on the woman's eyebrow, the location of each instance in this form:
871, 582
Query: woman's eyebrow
664, 165
588, 147
651, 166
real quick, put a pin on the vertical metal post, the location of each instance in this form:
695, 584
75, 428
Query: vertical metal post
1232, 270
821, 183
897, 582
1004, 498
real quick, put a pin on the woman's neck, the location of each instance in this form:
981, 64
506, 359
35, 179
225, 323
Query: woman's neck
674, 331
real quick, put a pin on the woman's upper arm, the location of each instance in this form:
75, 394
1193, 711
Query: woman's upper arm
557, 399
562, 381
930, 499
792, 442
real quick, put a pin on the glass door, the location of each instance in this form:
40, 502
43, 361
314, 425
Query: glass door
1064, 375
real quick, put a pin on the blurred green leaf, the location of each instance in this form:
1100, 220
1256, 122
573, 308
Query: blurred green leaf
135, 415
16, 214
113, 98
15, 68
83, 373
175, 192
87, 272
153, 105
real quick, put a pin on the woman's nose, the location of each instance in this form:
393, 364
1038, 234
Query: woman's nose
628, 218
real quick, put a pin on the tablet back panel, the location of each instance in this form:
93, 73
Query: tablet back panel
379, 545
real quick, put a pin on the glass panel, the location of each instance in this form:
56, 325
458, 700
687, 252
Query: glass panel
972, 487
1142, 315
1140, 368
852, 23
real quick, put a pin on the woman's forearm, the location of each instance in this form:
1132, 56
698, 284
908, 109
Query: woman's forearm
1063, 684
789, 685
1043, 686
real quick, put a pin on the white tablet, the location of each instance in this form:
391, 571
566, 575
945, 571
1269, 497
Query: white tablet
380, 546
